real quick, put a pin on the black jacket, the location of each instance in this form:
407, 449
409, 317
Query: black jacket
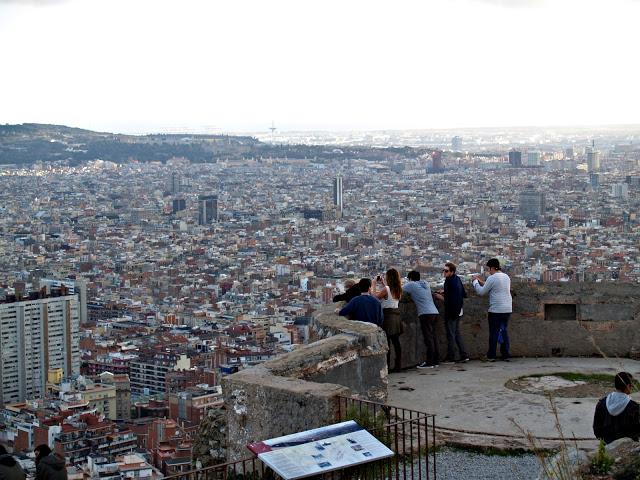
51, 467
352, 292
454, 294
609, 427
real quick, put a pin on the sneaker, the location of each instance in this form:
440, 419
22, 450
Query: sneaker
463, 360
507, 359
426, 365
491, 360
449, 362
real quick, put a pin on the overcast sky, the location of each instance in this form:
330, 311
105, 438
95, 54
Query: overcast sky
148, 65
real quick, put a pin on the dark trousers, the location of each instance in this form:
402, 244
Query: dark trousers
428, 325
395, 341
496, 322
454, 338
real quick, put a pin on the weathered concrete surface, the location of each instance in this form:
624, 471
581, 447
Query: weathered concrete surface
299, 390
606, 320
473, 406
261, 405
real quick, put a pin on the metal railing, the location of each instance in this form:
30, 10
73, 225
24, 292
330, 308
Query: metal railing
409, 433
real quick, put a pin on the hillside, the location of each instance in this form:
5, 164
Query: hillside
31, 142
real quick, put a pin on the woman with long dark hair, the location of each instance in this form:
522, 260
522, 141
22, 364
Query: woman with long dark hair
389, 296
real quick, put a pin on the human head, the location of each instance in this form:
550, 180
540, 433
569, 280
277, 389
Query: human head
449, 269
349, 283
393, 280
413, 276
623, 382
365, 285
41, 451
493, 264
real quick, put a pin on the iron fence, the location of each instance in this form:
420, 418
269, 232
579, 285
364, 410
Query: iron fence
409, 433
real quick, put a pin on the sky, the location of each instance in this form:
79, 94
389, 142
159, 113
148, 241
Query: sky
135, 66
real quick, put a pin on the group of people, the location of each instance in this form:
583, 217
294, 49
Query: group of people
49, 466
376, 301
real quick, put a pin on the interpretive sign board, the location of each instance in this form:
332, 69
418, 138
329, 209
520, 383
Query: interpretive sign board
320, 450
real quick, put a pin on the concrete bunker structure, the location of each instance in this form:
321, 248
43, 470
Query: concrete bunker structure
300, 390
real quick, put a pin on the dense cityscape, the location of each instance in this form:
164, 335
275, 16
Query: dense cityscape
161, 277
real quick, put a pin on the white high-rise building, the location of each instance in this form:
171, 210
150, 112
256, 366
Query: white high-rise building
593, 159
75, 287
37, 335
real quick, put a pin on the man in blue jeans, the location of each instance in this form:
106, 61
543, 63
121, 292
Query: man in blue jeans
453, 298
420, 293
498, 286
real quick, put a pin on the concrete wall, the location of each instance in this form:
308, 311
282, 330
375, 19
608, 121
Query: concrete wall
551, 319
299, 390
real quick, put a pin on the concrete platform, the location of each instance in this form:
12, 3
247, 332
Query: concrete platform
473, 406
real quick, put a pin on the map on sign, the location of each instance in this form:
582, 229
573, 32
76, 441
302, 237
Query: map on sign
320, 450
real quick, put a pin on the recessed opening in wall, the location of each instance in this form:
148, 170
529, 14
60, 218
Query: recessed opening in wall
560, 311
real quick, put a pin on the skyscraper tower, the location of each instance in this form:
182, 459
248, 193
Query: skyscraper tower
436, 156
456, 143
515, 158
593, 159
207, 209
532, 204
175, 183
337, 192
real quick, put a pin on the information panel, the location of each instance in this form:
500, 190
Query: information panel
320, 450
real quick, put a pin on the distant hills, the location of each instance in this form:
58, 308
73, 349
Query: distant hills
32, 142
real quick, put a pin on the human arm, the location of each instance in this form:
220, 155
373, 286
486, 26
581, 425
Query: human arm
347, 309
598, 420
484, 287
339, 298
382, 294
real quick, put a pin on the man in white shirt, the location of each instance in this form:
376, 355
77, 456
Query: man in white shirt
498, 286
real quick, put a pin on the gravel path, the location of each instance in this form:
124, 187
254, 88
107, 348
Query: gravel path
461, 465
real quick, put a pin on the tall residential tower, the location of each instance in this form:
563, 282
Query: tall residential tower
207, 209
337, 193
36, 336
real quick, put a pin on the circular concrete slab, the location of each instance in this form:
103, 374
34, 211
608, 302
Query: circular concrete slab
473, 406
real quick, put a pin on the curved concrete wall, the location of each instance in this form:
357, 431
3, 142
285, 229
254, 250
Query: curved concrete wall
299, 390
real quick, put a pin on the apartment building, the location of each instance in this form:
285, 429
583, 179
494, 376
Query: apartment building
37, 334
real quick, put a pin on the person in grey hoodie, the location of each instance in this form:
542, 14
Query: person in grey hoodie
617, 416
10, 469
421, 295
49, 466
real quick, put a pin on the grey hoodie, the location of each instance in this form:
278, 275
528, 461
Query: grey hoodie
617, 402
421, 295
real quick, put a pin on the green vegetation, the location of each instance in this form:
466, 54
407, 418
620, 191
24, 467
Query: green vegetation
375, 424
30, 142
592, 378
601, 463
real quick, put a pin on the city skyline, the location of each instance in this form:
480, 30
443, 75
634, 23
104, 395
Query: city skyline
231, 67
